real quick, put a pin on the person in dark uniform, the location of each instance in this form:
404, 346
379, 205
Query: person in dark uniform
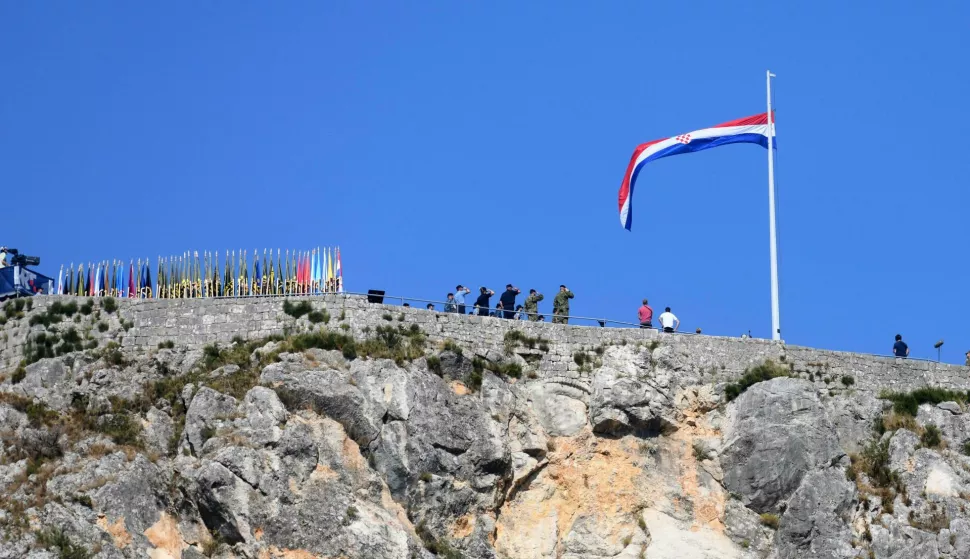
508, 300
482, 302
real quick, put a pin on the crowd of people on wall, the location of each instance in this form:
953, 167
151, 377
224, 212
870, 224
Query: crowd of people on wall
506, 306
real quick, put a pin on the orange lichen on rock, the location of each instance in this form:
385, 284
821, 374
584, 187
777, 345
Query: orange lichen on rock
585, 477
119, 534
166, 538
282, 553
708, 505
463, 527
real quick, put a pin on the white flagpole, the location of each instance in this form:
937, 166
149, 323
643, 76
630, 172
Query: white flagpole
773, 236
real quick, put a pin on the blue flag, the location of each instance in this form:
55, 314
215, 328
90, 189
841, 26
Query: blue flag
146, 281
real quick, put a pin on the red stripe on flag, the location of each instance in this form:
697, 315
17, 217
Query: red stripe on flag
749, 120
625, 185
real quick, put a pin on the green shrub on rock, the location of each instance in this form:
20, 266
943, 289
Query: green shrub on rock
298, 309
759, 373
931, 437
909, 402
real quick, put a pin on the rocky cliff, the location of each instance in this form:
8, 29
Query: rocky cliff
334, 428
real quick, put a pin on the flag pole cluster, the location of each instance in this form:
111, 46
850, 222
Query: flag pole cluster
192, 275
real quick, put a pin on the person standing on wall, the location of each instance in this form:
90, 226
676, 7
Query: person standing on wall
460, 292
900, 349
668, 321
532, 305
645, 315
482, 302
508, 300
560, 305
450, 304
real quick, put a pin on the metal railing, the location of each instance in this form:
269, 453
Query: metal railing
602, 322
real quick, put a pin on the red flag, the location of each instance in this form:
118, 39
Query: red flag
131, 281
90, 281
308, 280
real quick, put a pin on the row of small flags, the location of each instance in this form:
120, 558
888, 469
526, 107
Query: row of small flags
187, 276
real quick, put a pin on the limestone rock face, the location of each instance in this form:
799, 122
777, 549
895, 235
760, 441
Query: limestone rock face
293, 448
776, 432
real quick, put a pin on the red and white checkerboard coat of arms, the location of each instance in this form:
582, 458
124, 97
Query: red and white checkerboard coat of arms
683, 138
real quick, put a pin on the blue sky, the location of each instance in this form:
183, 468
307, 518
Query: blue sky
483, 143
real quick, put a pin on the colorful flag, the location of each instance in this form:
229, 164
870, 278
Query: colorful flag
216, 284
340, 274
185, 286
244, 275
146, 281
314, 268
271, 271
131, 279
280, 283
227, 279
257, 274
196, 278
266, 273
204, 284
752, 129
306, 272
160, 287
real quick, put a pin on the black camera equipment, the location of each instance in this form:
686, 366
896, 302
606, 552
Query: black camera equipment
18, 259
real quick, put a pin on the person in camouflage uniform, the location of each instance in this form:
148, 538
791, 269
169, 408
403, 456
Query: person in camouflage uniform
560, 305
532, 305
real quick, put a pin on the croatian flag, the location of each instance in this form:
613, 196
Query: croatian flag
751, 130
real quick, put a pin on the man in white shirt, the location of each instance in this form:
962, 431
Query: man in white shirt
668, 321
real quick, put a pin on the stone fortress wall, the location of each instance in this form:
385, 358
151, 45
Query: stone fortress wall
196, 323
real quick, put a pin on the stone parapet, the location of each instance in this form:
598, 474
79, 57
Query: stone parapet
138, 325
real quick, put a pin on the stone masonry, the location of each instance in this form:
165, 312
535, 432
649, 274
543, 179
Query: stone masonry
140, 324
